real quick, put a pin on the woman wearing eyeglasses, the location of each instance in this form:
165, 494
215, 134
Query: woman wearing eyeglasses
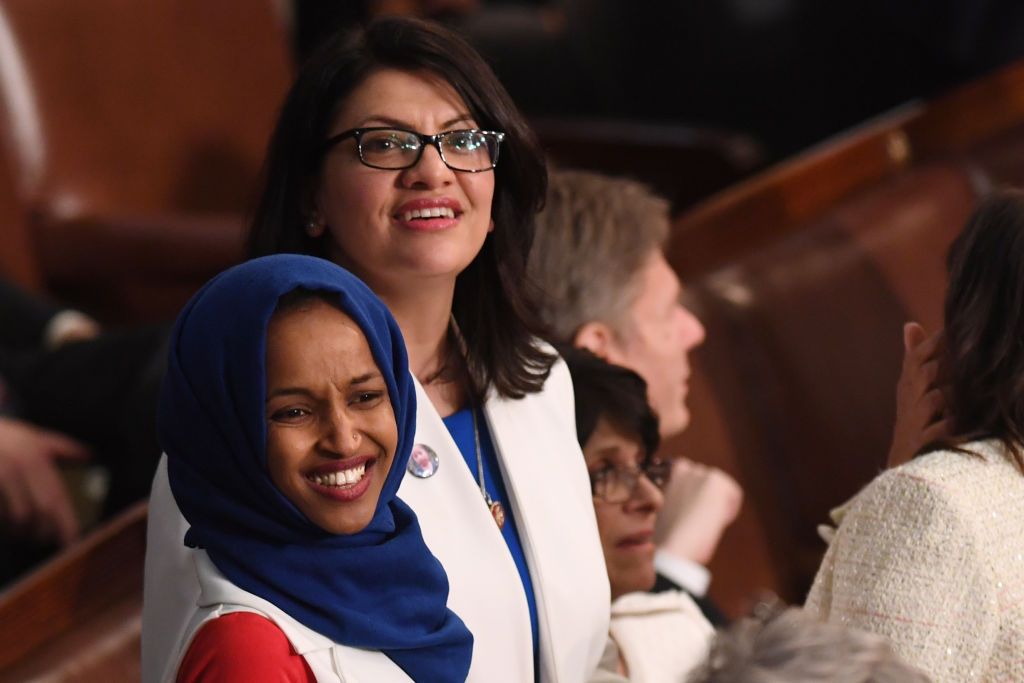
386, 160
654, 637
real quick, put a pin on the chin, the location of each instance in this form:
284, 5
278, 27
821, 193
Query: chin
427, 268
351, 524
673, 423
638, 581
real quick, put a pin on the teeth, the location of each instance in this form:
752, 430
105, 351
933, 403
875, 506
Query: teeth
432, 212
342, 478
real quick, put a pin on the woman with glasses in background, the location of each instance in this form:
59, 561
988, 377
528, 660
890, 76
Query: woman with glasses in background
653, 636
385, 160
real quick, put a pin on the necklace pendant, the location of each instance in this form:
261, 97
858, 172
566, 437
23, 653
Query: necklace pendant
498, 512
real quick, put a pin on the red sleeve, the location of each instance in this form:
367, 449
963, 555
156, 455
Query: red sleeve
242, 646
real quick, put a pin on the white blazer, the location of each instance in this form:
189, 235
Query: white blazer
329, 661
549, 491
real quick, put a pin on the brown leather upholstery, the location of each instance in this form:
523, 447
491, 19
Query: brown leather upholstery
782, 199
803, 276
78, 618
115, 108
158, 260
17, 258
684, 164
1001, 160
974, 124
743, 565
803, 350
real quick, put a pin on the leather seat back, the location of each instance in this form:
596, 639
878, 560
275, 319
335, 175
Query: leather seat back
804, 347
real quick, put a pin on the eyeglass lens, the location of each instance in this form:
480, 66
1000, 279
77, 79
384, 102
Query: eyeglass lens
461, 150
617, 484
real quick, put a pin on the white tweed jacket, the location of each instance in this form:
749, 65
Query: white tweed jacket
931, 555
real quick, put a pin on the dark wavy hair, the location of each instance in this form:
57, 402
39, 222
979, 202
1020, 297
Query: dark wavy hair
614, 393
983, 341
494, 305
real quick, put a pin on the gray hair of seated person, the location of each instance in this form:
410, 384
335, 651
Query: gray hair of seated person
593, 238
791, 646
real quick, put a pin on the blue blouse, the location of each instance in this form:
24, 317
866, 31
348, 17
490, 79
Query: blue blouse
460, 426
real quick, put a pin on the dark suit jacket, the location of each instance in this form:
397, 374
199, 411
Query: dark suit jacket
23, 318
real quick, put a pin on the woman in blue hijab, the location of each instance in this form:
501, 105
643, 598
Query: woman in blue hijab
287, 415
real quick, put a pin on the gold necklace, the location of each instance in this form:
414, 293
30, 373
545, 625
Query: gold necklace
497, 510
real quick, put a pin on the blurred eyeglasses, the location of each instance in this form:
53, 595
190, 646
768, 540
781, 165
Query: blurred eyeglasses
392, 149
617, 484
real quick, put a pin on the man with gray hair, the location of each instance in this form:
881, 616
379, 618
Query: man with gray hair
791, 645
597, 257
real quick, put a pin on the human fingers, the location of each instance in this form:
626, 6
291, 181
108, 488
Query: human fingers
694, 532
917, 375
918, 343
916, 415
681, 466
914, 336
936, 431
698, 470
53, 517
929, 372
14, 501
62, 447
932, 405
686, 477
726, 492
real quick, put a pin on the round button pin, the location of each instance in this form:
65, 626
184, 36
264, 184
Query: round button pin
423, 461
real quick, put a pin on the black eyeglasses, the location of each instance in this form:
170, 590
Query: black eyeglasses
392, 149
617, 484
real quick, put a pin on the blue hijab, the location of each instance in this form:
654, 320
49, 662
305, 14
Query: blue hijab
379, 589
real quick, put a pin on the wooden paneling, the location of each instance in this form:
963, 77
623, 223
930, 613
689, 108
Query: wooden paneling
804, 275
684, 164
117, 116
89, 597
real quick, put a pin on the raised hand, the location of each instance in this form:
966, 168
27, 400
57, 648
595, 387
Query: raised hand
700, 503
920, 402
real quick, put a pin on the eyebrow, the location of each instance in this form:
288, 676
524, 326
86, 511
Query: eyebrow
398, 123
302, 391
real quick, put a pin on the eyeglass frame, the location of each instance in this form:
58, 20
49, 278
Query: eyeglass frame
635, 471
424, 140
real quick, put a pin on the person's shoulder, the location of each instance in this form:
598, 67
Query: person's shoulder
242, 646
975, 472
946, 492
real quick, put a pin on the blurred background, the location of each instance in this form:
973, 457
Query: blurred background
820, 156
786, 73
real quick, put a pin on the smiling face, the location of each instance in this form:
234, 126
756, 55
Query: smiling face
396, 228
626, 529
331, 432
658, 335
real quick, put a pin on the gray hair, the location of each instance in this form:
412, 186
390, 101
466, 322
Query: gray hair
593, 237
792, 646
